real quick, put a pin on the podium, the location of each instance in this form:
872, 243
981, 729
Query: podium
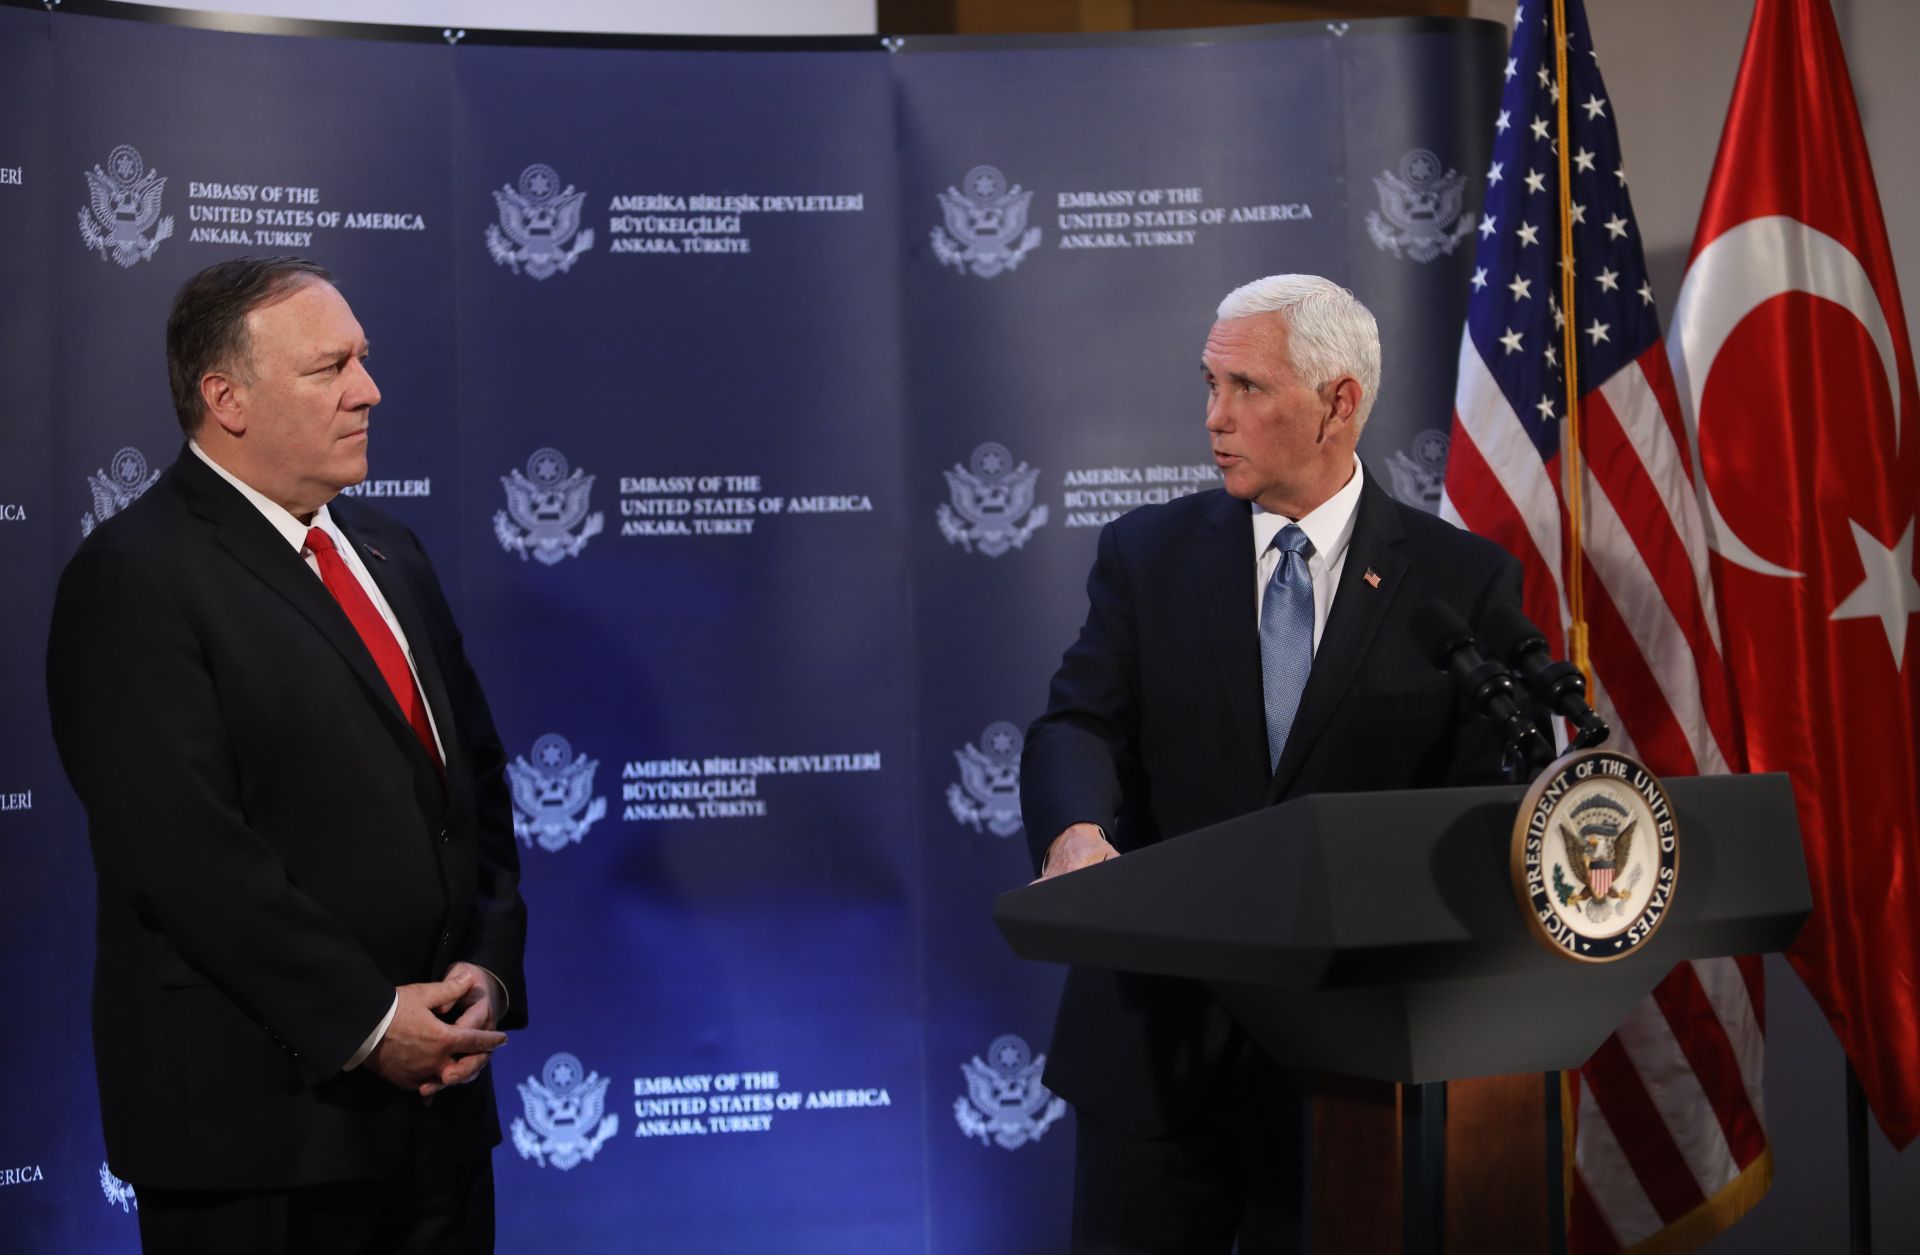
1377, 935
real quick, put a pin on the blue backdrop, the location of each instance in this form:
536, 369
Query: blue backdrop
761, 407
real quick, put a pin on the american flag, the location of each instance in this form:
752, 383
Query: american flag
1668, 1114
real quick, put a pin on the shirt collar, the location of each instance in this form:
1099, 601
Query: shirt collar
291, 529
1328, 525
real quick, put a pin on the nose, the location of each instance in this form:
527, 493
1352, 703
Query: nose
1216, 413
362, 393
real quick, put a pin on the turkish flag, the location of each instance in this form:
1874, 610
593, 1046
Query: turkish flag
1793, 364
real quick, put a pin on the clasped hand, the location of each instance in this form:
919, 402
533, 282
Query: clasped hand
425, 1051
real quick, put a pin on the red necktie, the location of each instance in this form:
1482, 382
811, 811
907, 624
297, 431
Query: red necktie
379, 640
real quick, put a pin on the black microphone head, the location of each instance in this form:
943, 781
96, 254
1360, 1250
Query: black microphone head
1440, 631
1508, 634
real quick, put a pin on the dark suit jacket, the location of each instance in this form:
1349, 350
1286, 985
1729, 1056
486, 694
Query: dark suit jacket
1155, 727
275, 851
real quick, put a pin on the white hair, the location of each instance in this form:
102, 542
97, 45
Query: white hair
1329, 332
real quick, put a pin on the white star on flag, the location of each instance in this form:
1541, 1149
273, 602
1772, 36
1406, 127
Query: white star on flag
1536, 181
1522, 289
1616, 226
1595, 107
1889, 592
1584, 160
1599, 330
1528, 233
1511, 340
1609, 280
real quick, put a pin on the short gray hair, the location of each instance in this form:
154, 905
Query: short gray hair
207, 327
1329, 332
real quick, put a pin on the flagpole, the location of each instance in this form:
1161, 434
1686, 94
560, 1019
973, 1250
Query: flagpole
1859, 1174
1570, 348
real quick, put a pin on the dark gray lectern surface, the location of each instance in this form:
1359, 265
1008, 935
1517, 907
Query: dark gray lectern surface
1377, 934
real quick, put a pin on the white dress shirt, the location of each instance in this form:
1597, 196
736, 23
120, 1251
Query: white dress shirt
1330, 527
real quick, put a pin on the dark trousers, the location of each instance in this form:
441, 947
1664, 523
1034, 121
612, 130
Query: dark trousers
431, 1206
1234, 1173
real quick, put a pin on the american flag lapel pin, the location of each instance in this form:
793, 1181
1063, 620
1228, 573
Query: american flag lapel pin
1372, 577
383, 557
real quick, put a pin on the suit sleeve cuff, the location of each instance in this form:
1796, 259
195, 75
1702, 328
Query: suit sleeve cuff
373, 1038
506, 999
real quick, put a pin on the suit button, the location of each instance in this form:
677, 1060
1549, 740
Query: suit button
444, 838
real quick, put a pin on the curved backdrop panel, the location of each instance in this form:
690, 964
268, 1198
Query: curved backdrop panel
761, 407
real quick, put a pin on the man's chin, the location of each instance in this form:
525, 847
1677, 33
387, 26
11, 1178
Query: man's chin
1238, 487
350, 475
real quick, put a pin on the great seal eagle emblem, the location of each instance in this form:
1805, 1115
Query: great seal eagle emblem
563, 1120
1419, 208
1005, 1104
544, 506
123, 208
538, 217
987, 499
986, 224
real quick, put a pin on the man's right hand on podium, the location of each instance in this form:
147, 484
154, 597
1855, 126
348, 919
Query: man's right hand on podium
1077, 846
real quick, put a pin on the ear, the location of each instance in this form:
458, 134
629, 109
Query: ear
224, 398
1346, 402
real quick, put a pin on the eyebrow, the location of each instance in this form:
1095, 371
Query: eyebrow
1232, 376
327, 356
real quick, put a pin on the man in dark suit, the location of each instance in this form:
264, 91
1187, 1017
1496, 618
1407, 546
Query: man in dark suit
309, 930
1241, 647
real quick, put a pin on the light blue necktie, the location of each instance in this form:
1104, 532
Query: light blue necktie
1286, 637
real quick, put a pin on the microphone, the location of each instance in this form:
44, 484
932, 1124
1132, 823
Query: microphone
1489, 687
1556, 686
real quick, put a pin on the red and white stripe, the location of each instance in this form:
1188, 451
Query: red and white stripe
1668, 1112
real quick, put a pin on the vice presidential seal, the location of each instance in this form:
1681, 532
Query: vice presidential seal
123, 207
986, 229
544, 506
116, 488
987, 499
1595, 856
537, 219
989, 788
1417, 208
553, 802
563, 1123
1006, 1105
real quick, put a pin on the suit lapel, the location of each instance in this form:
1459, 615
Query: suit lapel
1359, 606
1226, 571
252, 541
